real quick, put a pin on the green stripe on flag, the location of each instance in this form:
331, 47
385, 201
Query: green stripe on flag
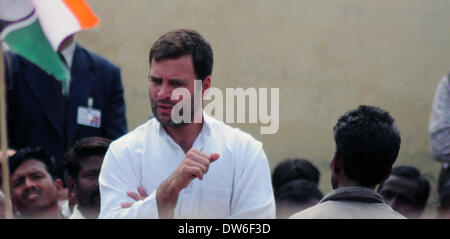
31, 43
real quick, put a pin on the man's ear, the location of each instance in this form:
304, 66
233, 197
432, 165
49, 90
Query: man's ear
61, 192
206, 84
336, 163
59, 184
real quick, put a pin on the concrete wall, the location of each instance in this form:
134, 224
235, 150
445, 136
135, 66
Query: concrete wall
326, 57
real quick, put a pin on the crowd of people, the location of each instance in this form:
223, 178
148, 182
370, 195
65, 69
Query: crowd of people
72, 157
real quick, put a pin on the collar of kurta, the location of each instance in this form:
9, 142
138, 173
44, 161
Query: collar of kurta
360, 194
206, 128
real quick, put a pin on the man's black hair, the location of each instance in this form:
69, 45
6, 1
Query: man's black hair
297, 192
367, 142
92, 146
423, 184
181, 42
36, 153
292, 169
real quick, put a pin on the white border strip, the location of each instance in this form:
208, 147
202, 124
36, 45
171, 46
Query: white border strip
18, 25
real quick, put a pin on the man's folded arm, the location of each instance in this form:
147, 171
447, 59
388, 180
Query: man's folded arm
116, 179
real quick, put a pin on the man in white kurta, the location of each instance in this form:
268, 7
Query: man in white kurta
237, 185
192, 170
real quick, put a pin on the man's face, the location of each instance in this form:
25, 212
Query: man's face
33, 189
401, 194
87, 189
166, 76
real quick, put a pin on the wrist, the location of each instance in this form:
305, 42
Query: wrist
166, 199
166, 193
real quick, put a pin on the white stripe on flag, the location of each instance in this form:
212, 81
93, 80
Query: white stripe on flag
57, 21
18, 25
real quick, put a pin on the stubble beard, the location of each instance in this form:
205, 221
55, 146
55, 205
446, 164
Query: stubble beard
170, 123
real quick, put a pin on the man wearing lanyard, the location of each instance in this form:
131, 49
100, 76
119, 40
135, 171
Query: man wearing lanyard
40, 112
197, 169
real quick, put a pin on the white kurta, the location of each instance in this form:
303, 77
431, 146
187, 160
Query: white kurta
237, 185
76, 214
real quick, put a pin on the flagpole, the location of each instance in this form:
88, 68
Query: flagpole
4, 138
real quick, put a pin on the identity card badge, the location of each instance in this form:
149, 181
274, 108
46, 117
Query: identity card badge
89, 116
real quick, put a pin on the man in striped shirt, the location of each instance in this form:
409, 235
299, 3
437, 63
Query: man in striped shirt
439, 129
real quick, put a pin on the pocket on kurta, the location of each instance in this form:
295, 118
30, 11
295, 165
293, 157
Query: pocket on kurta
214, 202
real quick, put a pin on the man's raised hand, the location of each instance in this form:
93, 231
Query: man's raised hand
194, 165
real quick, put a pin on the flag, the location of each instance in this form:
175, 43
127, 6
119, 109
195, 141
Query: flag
62, 18
35, 29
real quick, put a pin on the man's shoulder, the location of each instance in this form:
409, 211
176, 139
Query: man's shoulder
97, 59
133, 139
315, 211
16, 61
348, 210
231, 134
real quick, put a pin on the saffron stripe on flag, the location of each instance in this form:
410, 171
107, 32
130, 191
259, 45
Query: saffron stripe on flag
59, 21
83, 13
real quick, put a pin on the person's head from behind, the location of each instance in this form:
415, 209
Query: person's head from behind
443, 209
292, 169
83, 164
406, 191
295, 196
34, 186
177, 59
367, 145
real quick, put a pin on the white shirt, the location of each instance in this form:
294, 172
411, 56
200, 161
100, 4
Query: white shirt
237, 185
68, 53
65, 209
350, 203
76, 214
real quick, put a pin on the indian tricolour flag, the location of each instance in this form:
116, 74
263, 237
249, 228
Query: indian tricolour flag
35, 29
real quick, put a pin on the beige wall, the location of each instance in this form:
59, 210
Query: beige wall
326, 57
